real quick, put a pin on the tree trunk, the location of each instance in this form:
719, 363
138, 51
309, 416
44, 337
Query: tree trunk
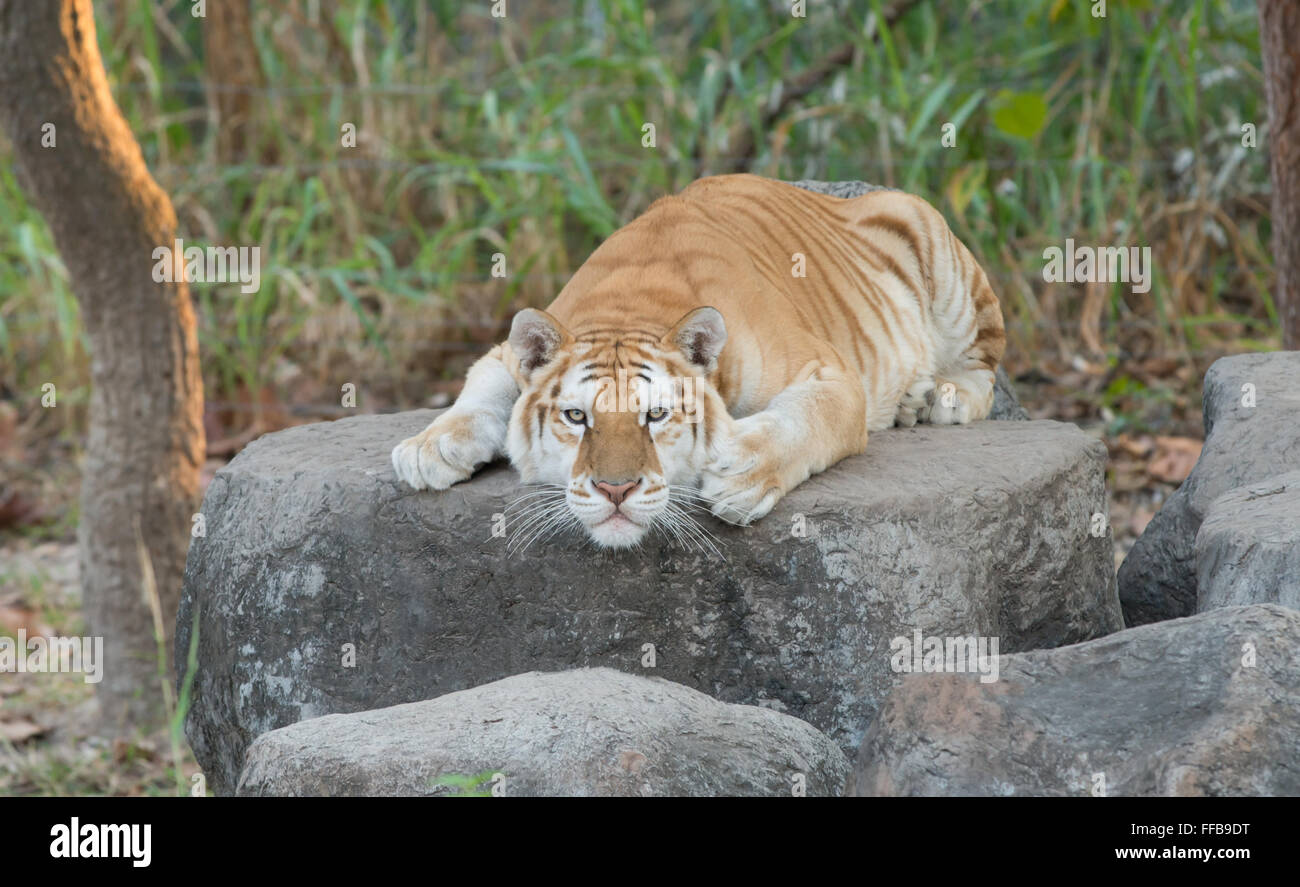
234, 74
140, 475
1279, 39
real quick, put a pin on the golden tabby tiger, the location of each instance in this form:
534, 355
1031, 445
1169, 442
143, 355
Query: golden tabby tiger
723, 347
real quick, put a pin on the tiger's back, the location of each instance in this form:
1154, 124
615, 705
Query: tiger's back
877, 284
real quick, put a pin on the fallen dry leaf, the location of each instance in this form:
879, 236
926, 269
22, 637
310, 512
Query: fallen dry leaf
1138, 522
1154, 370
9, 447
1174, 458
1139, 447
20, 730
18, 509
15, 617
1128, 476
124, 751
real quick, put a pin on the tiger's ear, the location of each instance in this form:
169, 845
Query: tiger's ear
535, 337
700, 336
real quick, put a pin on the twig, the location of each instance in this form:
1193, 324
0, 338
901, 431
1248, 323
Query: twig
741, 141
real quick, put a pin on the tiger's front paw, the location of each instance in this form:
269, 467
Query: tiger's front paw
445, 453
748, 477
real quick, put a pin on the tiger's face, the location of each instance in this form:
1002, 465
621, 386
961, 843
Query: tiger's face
615, 427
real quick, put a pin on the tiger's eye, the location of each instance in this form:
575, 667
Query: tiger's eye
577, 417
658, 414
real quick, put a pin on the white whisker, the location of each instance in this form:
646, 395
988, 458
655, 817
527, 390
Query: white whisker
558, 522
702, 537
527, 535
533, 509
537, 521
667, 522
551, 490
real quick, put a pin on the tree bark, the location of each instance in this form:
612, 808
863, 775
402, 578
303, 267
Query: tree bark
234, 74
140, 474
1279, 39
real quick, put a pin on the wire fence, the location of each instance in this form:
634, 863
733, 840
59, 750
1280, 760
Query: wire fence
1179, 162
509, 83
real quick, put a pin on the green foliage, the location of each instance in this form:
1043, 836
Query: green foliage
523, 137
478, 786
1020, 114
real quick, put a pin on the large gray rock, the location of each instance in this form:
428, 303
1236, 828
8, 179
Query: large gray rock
1248, 547
313, 544
589, 732
1005, 404
1165, 709
1243, 445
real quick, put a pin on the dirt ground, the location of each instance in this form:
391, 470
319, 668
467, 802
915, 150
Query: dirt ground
48, 745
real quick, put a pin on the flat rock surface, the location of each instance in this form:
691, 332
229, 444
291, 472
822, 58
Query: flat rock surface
1248, 546
324, 585
1207, 705
589, 732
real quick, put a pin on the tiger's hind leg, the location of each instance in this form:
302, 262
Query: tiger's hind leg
915, 399
968, 343
959, 397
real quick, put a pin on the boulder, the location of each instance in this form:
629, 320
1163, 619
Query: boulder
592, 732
1207, 705
1251, 434
323, 585
844, 190
1005, 404
1248, 546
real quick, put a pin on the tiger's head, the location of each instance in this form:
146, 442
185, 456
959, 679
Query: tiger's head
615, 426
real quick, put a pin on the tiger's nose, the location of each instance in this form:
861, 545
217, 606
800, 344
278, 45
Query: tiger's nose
616, 493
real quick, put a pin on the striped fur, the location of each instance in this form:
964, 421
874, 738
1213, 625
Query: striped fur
892, 322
